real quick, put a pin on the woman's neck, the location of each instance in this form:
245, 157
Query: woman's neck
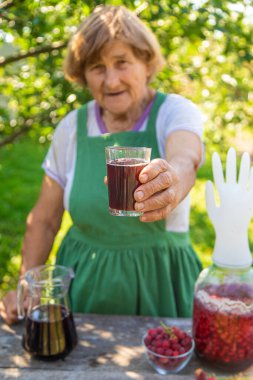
125, 122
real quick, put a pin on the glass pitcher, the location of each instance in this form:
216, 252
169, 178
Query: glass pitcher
50, 331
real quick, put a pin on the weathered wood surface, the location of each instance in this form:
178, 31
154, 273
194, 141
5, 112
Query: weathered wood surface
109, 348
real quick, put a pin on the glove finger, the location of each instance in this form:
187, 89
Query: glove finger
231, 166
251, 189
217, 171
210, 200
244, 170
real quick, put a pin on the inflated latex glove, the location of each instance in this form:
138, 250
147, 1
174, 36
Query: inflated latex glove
232, 215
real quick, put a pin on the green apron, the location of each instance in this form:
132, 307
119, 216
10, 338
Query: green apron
122, 266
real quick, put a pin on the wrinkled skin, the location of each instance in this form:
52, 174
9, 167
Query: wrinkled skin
158, 194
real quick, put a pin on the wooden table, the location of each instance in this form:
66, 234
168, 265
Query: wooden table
109, 348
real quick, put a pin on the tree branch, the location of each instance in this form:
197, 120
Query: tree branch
14, 136
32, 52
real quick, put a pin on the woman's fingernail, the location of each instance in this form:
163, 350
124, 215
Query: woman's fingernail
139, 195
143, 177
139, 206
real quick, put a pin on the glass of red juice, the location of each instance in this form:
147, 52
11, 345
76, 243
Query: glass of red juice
124, 165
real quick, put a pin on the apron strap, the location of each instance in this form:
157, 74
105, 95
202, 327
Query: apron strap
159, 99
82, 122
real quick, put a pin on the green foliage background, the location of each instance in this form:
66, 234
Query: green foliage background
207, 45
209, 59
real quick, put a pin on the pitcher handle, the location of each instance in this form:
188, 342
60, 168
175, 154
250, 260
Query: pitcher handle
21, 292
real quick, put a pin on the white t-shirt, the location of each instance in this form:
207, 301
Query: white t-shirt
175, 113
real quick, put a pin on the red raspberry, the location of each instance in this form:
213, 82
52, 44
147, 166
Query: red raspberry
165, 344
159, 343
159, 337
168, 352
182, 350
152, 332
159, 330
163, 360
174, 339
147, 340
159, 351
186, 341
201, 375
179, 333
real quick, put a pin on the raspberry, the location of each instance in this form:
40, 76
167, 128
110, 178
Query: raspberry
182, 350
159, 337
163, 360
147, 340
152, 332
159, 330
201, 375
159, 351
165, 344
159, 343
174, 339
175, 346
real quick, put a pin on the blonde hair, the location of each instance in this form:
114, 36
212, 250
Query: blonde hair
105, 24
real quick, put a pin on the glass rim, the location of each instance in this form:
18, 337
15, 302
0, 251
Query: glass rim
47, 269
127, 148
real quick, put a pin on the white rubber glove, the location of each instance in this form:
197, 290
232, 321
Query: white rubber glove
232, 216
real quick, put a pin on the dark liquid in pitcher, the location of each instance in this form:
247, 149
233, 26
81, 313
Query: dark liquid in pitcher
123, 180
50, 332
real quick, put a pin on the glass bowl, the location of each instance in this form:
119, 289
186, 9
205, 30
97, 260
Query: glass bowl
165, 365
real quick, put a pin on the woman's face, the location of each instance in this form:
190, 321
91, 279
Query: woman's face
118, 80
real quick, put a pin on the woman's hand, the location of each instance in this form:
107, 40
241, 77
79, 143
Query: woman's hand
8, 307
159, 193
165, 183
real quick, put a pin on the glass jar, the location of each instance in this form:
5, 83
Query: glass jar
223, 317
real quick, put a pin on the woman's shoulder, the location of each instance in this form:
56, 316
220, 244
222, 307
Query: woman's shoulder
176, 101
68, 124
179, 113
179, 108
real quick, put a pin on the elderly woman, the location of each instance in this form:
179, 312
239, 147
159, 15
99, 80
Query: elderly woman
145, 265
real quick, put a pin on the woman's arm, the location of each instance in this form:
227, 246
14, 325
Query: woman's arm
42, 225
165, 183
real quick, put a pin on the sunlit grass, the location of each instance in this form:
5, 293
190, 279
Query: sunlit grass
20, 179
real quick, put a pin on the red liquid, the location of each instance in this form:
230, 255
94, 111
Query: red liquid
50, 332
123, 180
223, 326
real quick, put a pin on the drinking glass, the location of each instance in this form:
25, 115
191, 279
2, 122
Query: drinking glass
124, 165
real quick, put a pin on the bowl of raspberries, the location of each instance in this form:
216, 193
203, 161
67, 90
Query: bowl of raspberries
168, 348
